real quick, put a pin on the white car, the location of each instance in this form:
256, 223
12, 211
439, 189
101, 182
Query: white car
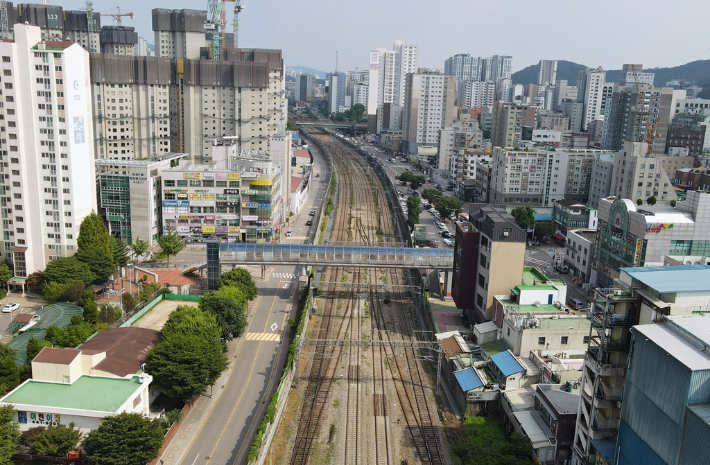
449, 242
9, 308
289, 233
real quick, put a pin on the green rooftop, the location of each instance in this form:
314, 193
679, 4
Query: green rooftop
87, 393
495, 347
532, 276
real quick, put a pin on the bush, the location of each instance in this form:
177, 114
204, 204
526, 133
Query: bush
109, 314
174, 416
387, 301
53, 440
53, 291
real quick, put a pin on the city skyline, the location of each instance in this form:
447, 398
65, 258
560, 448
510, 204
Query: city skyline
369, 25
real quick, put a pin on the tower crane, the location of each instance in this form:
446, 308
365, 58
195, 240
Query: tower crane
215, 15
238, 7
118, 15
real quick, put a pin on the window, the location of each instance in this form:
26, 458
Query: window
481, 280
541, 341
479, 301
6, 59
563, 340
6, 72
585, 340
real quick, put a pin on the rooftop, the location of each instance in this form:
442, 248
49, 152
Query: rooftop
142, 162
534, 277
678, 346
507, 363
57, 356
495, 347
86, 393
564, 402
520, 399
468, 379
673, 279
126, 349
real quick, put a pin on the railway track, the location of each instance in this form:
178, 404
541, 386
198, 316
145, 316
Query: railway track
362, 216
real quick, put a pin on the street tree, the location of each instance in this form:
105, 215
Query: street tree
651, 200
544, 228
67, 269
230, 317
138, 248
9, 435
54, 440
430, 195
189, 320
94, 235
358, 110
231, 292
241, 278
416, 181
446, 205
124, 439
413, 210
5, 272
524, 217
171, 243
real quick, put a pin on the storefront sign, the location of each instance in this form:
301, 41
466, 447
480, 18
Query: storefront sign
658, 227
251, 205
195, 196
233, 229
207, 175
221, 229
209, 217
226, 217
35, 418
174, 190
250, 175
208, 196
208, 229
176, 203
191, 175
250, 217
637, 252
231, 191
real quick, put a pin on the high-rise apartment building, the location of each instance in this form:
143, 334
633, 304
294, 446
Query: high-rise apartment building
575, 112
562, 92
336, 92
147, 106
508, 122
405, 63
429, 106
600, 185
547, 73
637, 176
58, 24
632, 75
360, 94
304, 87
179, 33
463, 67
119, 40
497, 67
590, 92
476, 94
48, 184
540, 177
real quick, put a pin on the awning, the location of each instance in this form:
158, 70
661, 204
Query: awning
651, 299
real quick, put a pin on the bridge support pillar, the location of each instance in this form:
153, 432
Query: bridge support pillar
445, 291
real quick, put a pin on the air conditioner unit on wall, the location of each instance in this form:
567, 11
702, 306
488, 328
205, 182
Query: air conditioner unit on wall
505, 234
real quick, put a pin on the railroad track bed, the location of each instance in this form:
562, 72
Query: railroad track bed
360, 404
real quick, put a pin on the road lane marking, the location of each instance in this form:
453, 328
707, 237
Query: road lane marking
263, 337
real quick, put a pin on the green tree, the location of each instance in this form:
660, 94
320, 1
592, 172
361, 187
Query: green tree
170, 243
99, 261
9, 435
54, 440
74, 289
125, 439
34, 346
109, 314
54, 291
651, 200
7, 351
72, 335
5, 273
544, 228
416, 181
241, 278
291, 126
673, 203
524, 217
446, 205
358, 109
129, 302
138, 248
430, 195
148, 292
94, 235
66, 269
229, 316
639, 201
9, 374
87, 301
231, 292
483, 442
189, 320
413, 210
120, 253
35, 279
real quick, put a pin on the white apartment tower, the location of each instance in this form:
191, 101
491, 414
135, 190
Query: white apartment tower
476, 94
429, 106
547, 73
48, 184
497, 67
405, 63
463, 67
590, 91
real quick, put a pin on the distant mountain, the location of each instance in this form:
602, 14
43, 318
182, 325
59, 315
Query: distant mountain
293, 70
565, 70
694, 72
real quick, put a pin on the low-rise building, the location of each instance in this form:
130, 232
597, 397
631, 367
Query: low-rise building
580, 253
508, 370
571, 214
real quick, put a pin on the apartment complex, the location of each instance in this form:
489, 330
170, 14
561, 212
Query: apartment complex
119, 40
600, 185
508, 122
46, 121
58, 24
632, 235
590, 92
429, 106
476, 94
150, 106
180, 33
540, 177
547, 73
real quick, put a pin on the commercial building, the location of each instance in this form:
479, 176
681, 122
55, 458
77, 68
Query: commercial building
590, 92
580, 252
552, 121
130, 195
540, 177
508, 121
693, 179
547, 73
563, 92
690, 137
488, 260
570, 214
636, 176
600, 185
240, 196
429, 106
46, 143
612, 403
150, 106
304, 87
632, 235
575, 112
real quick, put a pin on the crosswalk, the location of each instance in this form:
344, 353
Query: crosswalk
275, 337
537, 262
284, 275
295, 238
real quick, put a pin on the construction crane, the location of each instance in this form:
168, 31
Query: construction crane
91, 24
238, 7
118, 15
214, 23
646, 114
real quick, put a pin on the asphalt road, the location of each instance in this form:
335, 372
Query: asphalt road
225, 436
541, 257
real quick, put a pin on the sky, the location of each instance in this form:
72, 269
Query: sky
605, 33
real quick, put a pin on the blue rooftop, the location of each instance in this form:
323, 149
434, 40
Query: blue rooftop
507, 363
295, 136
673, 279
468, 379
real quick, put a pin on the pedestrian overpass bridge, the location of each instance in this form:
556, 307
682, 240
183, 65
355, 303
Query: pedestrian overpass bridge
335, 255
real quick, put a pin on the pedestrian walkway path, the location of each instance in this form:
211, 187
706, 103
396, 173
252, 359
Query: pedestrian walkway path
295, 238
284, 275
262, 337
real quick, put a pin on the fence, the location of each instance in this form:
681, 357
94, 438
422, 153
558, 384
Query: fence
149, 306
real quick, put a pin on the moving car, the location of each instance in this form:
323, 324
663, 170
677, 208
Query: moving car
9, 308
289, 233
572, 302
312, 213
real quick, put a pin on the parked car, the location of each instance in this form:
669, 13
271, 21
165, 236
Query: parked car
449, 242
572, 302
289, 233
309, 222
312, 213
9, 308
318, 175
